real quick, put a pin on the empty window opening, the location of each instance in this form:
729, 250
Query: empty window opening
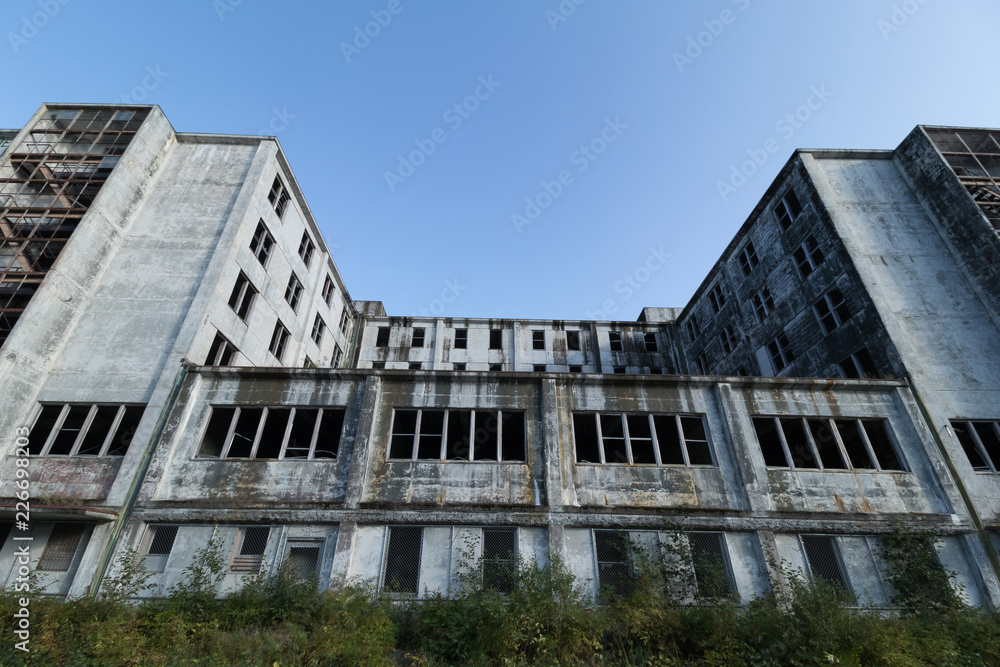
345, 321
61, 547
222, 352
576, 369
808, 257
727, 337
539, 368
279, 339
458, 367
495, 368
573, 340
780, 352
242, 296
620, 370
717, 298
649, 340
278, 196
748, 258
84, 430
496, 339
616, 341
319, 328
467, 435
827, 444
415, 365
272, 433
538, 340
306, 248
831, 311
981, 442
787, 209
461, 339
615, 438
293, 292
418, 337
262, 243
328, 291
859, 365
382, 339
762, 303
402, 560
693, 330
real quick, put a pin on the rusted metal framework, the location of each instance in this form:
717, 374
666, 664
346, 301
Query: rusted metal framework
974, 156
47, 184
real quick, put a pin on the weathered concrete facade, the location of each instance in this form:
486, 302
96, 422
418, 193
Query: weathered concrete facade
192, 371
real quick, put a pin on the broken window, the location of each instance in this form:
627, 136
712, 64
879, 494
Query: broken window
821, 443
780, 352
499, 560
748, 258
251, 542
823, 557
458, 367
382, 339
495, 368
221, 353
306, 248
693, 330
61, 547
808, 256
345, 321
762, 303
616, 341
159, 543
319, 328
641, 439
272, 433
337, 356
458, 435
717, 298
727, 337
84, 430
402, 560
831, 311
461, 339
859, 365
981, 442
293, 292
415, 365
418, 337
496, 339
650, 342
975, 159
278, 196
328, 291
242, 296
538, 340
278, 340
572, 340
787, 209
262, 243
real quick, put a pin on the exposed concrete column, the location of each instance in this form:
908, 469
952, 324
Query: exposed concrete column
557, 446
438, 351
596, 347
514, 343
772, 561
751, 487
90, 562
342, 551
357, 474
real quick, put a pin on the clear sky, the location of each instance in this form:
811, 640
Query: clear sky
617, 120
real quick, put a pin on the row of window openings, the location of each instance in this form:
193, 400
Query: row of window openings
461, 339
803, 443
536, 368
262, 244
614, 438
807, 256
84, 430
272, 433
458, 435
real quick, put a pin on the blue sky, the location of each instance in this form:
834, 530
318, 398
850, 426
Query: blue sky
617, 120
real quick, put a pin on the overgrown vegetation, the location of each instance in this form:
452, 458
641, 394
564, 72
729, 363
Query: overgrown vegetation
542, 616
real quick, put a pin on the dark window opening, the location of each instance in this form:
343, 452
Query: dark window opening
615, 339
496, 339
461, 339
572, 340
402, 559
382, 340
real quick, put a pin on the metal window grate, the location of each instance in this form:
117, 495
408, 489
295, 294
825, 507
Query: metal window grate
62, 547
303, 558
824, 561
712, 570
500, 559
252, 545
614, 574
163, 540
402, 559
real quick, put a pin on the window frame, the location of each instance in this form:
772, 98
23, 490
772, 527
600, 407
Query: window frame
307, 248
762, 303
264, 244
784, 212
693, 328
318, 330
728, 339
285, 438
779, 349
649, 339
833, 311
682, 439
242, 298
329, 290
85, 427
615, 341
538, 339
831, 424
240, 563
461, 341
415, 450
293, 292
224, 351
748, 258
717, 298
279, 341
805, 256
279, 197
971, 426
401, 594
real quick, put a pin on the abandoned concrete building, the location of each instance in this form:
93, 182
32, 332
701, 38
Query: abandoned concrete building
181, 364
